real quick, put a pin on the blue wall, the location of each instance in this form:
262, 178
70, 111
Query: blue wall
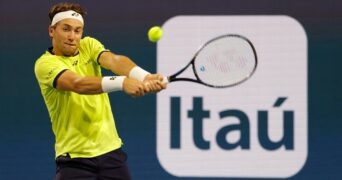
26, 139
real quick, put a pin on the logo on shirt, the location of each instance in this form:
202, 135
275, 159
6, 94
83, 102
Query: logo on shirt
75, 63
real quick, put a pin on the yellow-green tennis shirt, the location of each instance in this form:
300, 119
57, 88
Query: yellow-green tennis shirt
83, 124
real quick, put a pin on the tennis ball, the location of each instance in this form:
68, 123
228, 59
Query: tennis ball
155, 34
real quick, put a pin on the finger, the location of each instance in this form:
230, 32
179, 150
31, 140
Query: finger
156, 86
160, 85
147, 87
141, 89
138, 90
163, 84
160, 77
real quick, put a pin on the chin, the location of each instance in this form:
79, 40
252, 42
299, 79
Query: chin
70, 53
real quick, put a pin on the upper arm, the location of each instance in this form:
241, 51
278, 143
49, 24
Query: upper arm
106, 60
118, 64
65, 80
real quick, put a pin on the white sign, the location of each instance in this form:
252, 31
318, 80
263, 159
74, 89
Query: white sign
256, 129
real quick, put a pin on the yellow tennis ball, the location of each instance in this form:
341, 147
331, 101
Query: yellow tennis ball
155, 34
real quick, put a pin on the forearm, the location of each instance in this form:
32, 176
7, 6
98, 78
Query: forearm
122, 65
118, 64
83, 85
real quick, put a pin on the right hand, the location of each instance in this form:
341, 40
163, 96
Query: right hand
133, 87
154, 83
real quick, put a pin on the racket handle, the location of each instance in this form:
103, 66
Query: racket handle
165, 80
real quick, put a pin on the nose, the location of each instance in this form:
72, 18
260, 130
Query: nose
71, 35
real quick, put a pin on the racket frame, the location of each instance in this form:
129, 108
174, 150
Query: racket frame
174, 78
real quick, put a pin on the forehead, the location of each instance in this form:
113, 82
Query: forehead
71, 22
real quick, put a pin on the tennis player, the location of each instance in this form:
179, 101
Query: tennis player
87, 144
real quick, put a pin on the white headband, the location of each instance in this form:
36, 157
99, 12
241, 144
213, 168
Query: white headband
66, 14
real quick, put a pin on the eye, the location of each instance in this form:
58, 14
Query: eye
78, 31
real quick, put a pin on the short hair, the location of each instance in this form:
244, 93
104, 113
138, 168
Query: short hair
66, 6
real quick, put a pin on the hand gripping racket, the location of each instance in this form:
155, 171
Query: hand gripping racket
222, 62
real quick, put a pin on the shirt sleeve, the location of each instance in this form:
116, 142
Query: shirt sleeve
47, 71
94, 48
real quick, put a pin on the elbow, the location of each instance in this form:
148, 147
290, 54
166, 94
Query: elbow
77, 86
80, 86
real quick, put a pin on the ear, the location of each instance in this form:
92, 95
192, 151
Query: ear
51, 30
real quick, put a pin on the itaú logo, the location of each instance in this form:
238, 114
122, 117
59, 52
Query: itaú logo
257, 129
200, 139
197, 115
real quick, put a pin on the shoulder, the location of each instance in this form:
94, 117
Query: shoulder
91, 46
47, 61
45, 58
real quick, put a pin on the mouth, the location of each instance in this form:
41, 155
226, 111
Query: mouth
71, 45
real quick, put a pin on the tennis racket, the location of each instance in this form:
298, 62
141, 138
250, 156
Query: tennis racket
222, 62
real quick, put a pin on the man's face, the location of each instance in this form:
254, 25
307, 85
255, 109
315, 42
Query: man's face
66, 36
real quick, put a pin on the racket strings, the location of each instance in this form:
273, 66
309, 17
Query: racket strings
225, 61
